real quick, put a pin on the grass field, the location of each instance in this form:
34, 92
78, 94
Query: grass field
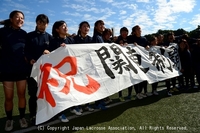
178, 113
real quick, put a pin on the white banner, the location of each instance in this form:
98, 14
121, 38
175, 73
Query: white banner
171, 52
159, 63
83, 73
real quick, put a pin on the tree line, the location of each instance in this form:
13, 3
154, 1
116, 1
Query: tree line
179, 32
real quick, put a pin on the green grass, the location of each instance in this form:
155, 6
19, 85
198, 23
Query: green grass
156, 113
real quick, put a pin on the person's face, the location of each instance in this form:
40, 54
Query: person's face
138, 32
17, 20
85, 29
124, 34
154, 42
107, 36
171, 38
41, 26
100, 27
62, 30
160, 38
182, 45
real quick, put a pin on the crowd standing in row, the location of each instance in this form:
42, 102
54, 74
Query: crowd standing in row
20, 50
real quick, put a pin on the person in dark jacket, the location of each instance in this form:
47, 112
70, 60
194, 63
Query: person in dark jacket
97, 38
82, 34
98, 31
37, 42
60, 39
122, 38
137, 39
81, 38
170, 39
107, 33
186, 64
14, 66
153, 42
196, 60
122, 41
59, 32
190, 42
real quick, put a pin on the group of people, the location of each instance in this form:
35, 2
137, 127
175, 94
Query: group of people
20, 50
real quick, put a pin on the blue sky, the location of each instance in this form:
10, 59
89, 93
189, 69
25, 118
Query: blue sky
151, 15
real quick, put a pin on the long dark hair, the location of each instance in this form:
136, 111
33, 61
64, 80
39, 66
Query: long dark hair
6, 22
186, 44
95, 25
134, 29
56, 25
80, 25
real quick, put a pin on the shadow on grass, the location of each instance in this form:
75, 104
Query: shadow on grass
112, 113
102, 116
187, 91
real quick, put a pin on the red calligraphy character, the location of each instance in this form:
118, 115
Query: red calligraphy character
44, 91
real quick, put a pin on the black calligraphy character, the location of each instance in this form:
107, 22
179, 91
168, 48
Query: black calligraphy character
173, 55
120, 62
158, 61
170, 65
103, 54
136, 58
162, 51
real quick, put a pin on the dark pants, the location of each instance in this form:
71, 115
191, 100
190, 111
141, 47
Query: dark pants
32, 91
139, 87
173, 82
154, 86
188, 75
129, 90
136, 87
197, 70
168, 85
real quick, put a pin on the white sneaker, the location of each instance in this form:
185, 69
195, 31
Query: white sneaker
138, 96
195, 87
63, 118
23, 123
81, 110
169, 93
142, 95
149, 94
76, 112
9, 125
155, 93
